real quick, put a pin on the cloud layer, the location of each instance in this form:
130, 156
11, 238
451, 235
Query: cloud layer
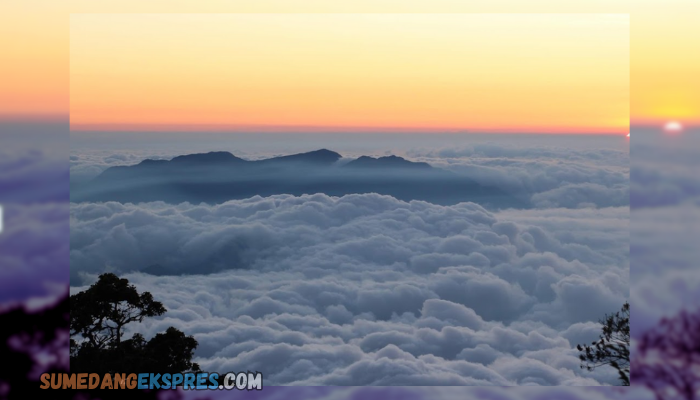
545, 176
32, 175
34, 251
431, 393
551, 176
665, 225
34, 245
665, 168
369, 290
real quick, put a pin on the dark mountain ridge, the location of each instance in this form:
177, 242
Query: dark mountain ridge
216, 177
386, 162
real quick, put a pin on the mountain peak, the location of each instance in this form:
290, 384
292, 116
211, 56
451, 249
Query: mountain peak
325, 152
217, 177
322, 156
387, 161
206, 158
149, 162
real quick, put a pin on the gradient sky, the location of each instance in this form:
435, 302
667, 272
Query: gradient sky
34, 63
512, 72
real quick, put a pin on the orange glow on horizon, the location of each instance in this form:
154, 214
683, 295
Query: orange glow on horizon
34, 64
664, 59
333, 129
351, 72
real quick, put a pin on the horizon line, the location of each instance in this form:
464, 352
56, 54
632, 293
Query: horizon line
230, 128
49, 118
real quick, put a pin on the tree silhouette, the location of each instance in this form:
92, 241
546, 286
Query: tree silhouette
25, 334
28, 338
100, 313
667, 358
98, 317
613, 346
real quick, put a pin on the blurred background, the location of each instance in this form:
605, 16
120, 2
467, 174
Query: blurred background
665, 196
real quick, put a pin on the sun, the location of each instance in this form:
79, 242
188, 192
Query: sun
673, 126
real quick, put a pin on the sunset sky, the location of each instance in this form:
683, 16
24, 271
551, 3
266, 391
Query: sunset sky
390, 72
513, 72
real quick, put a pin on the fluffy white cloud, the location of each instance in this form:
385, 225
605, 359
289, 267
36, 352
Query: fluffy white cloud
34, 244
366, 289
31, 175
664, 168
665, 225
431, 393
664, 248
550, 176
34, 250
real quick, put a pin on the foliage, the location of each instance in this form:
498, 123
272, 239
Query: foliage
613, 346
98, 317
667, 358
25, 334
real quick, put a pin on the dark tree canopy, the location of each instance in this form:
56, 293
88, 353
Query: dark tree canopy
667, 358
26, 334
613, 346
98, 317
100, 313
37, 332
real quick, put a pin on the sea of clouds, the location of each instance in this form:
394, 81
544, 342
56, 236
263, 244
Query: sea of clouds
548, 175
551, 176
34, 245
665, 225
664, 198
429, 393
368, 290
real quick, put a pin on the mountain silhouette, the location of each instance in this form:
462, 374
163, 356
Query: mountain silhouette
214, 157
318, 157
217, 177
386, 162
